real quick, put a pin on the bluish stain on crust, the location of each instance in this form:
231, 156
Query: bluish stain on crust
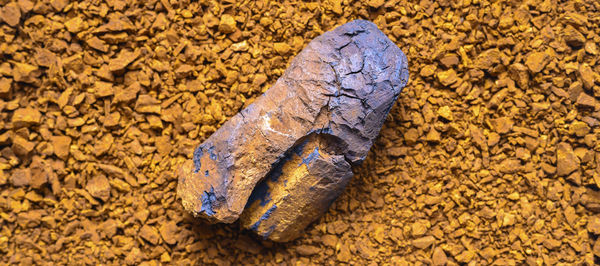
310, 157
197, 155
207, 199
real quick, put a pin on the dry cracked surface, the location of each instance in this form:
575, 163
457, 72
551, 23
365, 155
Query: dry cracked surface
490, 155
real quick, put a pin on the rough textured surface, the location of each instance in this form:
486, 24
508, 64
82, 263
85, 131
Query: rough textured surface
425, 175
342, 85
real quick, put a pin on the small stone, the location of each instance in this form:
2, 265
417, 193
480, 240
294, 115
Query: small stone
168, 232
45, 58
551, 243
240, 46
61, 146
227, 24
573, 37
5, 86
163, 145
25, 117
510, 166
97, 44
25, 5
566, 160
128, 94
282, 48
509, 219
122, 60
502, 125
165, 258
109, 227
20, 177
375, 3
593, 225
59, 5
591, 48
103, 144
423, 242
587, 75
23, 72
99, 187
450, 60
439, 257
447, 77
112, 119
147, 104
103, 89
433, 135
10, 14
419, 228
306, 250
586, 101
465, 257
513, 196
446, 113
150, 234
536, 61
22, 146
427, 71
75, 24
579, 128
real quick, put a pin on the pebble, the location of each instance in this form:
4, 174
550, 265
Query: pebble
306, 250
22, 146
150, 234
593, 225
446, 113
282, 48
573, 37
447, 77
20, 177
423, 242
5, 87
439, 257
588, 76
584, 100
25, 117
536, 61
74, 25
168, 232
99, 187
227, 24
566, 160
10, 14
61, 146
24, 72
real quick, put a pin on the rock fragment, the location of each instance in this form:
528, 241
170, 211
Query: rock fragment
227, 24
566, 160
22, 146
536, 61
25, 117
24, 72
10, 14
20, 177
423, 242
168, 232
285, 158
150, 234
573, 37
439, 257
99, 187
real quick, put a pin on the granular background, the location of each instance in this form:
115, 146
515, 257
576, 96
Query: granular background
490, 156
